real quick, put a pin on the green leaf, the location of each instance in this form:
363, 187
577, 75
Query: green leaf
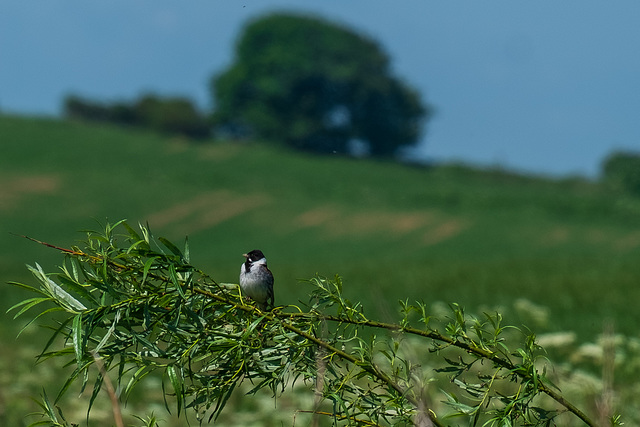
110, 228
56, 332
48, 407
132, 233
187, 254
42, 313
142, 372
106, 337
78, 288
176, 382
97, 385
147, 267
72, 378
222, 400
146, 233
26, 305
173, 248
77, 338
61, 297
27, 287
173, 275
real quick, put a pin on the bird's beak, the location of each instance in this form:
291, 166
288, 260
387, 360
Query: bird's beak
245, 255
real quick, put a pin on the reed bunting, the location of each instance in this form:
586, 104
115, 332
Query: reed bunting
256, 280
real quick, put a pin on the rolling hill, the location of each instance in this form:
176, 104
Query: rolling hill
482, 238
559, 255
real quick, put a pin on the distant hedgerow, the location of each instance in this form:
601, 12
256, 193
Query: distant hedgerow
173, 116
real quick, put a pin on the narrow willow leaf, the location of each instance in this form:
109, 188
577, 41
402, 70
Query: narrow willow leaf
187, 254
62, 297
142, 372
77, 338
74, 269
110, 228
133, 233
72, 378
40, 423
222, 401
106, 337
27, 287
173, 275
146, 233
151, 348
48, 407
139, 247
42, 313
147, 267
173, 248
26, 305
176, 383
97, 385
252, 327
56, 332
78, 288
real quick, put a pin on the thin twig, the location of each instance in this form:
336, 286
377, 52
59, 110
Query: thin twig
115, 405
65, 250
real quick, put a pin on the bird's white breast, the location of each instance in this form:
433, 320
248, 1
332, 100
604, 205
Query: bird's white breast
252, 281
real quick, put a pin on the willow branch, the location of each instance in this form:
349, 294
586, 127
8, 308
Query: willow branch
370, 368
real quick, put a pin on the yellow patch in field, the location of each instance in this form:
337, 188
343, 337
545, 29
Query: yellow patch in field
206, 210
336, 222
445, 230
218, 152
555, 236
15, 188
628, 242
316, 217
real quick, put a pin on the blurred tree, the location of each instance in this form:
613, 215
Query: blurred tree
316, 86
621, 170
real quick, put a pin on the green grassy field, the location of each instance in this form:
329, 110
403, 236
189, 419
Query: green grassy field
487, 239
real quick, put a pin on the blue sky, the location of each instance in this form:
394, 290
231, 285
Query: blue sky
546, 87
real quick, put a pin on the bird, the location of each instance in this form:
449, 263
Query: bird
256, 280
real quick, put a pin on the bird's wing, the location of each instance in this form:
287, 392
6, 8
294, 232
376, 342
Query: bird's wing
270, 294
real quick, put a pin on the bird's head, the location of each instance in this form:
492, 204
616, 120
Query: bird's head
254, 255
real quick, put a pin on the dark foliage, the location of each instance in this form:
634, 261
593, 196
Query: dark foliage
621, 170
173, 115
